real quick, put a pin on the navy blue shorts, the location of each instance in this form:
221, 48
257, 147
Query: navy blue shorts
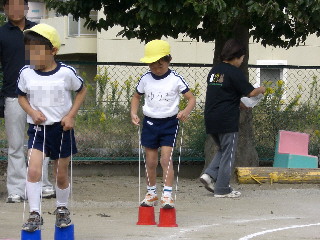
158, 132
53, 144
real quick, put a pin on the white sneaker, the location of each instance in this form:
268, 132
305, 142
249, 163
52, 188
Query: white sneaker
207, 181
233, 194
48, 193
150, 200
14, 198
167, 202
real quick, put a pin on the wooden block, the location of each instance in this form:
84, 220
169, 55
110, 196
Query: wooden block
277, 175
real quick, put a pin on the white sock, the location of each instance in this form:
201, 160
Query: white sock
62, 196
167, 191
152, 189
33, 193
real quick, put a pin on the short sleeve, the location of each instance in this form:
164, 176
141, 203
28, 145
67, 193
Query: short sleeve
21, 85
182, 85
75, 82
140, 86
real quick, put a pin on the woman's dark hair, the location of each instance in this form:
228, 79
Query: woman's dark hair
5, 2
232, 49
35, 38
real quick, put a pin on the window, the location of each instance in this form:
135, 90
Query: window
271, 74
36, 11
76, 28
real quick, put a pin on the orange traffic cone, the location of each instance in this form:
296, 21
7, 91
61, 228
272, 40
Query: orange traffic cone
146, 216
167, 217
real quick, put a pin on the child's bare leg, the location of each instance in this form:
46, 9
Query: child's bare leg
35, 165
62, 192
33, 187
168, 175
151, 165
151, 198
33, 184
167, 165
61, 172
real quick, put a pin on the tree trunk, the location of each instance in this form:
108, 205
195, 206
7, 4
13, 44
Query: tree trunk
246, 155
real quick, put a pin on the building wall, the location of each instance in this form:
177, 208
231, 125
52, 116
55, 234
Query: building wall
185, 50
304, 55
113, 48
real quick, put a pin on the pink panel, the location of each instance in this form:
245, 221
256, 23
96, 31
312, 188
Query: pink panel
293, 142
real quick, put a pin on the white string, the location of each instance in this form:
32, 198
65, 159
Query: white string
25, 188
180, 150
43, 156
71, 172
174, 141
71, 168
145, 163
57, 170
139, 164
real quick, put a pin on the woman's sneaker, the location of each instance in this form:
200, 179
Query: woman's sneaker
207, 182
233, 194
149, 200
48, 193
167, 202
62, 217
34, 222
14, 198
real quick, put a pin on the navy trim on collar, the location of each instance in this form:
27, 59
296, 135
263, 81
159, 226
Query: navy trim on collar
49, 73
156, 77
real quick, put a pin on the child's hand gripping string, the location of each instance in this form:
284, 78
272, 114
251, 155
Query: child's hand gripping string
37, 117
135, 119
134, 109
184, 114
67, 122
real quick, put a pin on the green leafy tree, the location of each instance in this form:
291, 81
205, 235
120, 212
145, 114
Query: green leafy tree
282, 23
2, 19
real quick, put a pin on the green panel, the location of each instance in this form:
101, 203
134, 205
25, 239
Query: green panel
295, 161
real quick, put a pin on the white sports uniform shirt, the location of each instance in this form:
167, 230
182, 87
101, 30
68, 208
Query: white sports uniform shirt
162, 93
49, 92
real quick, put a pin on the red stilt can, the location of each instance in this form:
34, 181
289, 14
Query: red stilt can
167, 217
146, 216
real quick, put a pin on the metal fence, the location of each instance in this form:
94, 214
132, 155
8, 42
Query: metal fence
104, 130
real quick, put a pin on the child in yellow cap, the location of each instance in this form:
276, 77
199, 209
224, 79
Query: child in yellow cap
44, 93
161, 88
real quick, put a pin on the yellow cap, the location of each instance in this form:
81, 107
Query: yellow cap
47, 32
155, 50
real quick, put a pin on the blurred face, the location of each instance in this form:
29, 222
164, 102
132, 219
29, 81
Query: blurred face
16, 10
40, 56
159, 67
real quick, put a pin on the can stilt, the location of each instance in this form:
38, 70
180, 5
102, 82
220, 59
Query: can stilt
65, 233
36, 235
146, 216
167, 217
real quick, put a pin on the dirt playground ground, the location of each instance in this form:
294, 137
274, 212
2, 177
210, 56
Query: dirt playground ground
106, 207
